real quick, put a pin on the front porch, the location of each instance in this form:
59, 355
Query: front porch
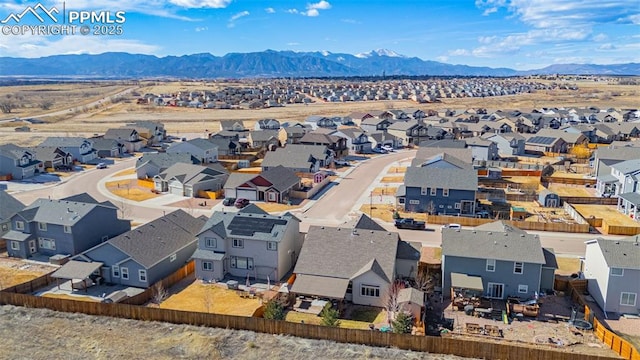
628, 204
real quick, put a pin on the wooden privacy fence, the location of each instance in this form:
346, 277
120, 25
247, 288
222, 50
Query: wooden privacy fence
619, 229
622, 347
524, 225
167, 282
438, 345
568, 181
32, 285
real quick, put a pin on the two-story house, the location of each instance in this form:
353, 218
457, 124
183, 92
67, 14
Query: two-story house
128, 137
441, 184
373, 124
337, 144
625, 187
481, 149
267, 139
108, 147
203, 150
80, 148
10, 206
507, 260
612, 269
248, 243
188, 179
148, 254
51, 157
51, 227
267, 124
509, 144
409, 132
357, 140
299, 158
151, 132
18, 162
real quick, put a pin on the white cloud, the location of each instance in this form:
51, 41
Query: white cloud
442, 58
459, 52
196, 4
270, 10
201, 28
312, 12
313, 9
600, 37
293, 44
490, 11
322, 5
235, 17
607, 46
292, 11
350, 21
38, 46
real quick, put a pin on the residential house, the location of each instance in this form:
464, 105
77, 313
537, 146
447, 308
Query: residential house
108, 147
18, 162
151, 132
409, 133
51, 157
625, 186
148, 254
247, 244
296, 132
127, 136
80, 148
203, 150
357, 140
51, 227
226, 147
383, 138
232, 125
507, 260
265, 139
10, 206
509, 144
273, 185
570, 139
152, 164
321, 122
449, 190
359, 117
604, 157
373, 124
336, 144
189, 180
299, 158
347, 264
481, 149
545, 144
267, 124
612, 269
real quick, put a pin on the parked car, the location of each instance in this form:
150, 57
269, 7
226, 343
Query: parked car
101, 166
379, 150
228, 201
452, 226
482, 214
410, 223
240, 203
387, 148
342, 162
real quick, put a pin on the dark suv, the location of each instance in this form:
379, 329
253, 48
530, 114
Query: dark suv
228, 201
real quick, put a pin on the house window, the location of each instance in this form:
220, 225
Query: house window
350, 287
238, 243
423, 191
15, 245
401, 200
457, 206
142, 275
207, 266
272, 245
414, 202
628, 299
617, 271
491, 265
518, 267
370, 290
48, 244
115, 271
19, 225
445, 192
523, 289
433, 191
5, 227
42, 226
210, 242
173, 257
67, 229
124, 272
240, 262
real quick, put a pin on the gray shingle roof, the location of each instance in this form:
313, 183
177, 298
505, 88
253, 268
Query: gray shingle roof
507, 246
236, 179
627, 166
453, 179
12, 151
550, 258
119, 133
60, 212
63, 141
499, 226
201, 143
9, 206
281, 177
622, 253
294, 156
249, 225
341, 253
158, 239
423, 153
191, 174
105, 144
366, 223
448, 144
164, 160
263, 135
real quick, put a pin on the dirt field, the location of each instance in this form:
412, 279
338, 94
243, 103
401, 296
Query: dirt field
570, 190
15, 271
392, 179
567, 265
129, 189
608, 213
543, 214
81, 337
211, 298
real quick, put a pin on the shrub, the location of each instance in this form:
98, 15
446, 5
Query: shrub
330, 317
403, 323
274, 311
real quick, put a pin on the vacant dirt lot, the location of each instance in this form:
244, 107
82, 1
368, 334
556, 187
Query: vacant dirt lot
78, 336
608, 213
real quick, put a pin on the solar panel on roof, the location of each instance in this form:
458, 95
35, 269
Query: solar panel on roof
249, 225
545, 140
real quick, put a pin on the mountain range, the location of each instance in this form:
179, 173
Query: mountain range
272, 63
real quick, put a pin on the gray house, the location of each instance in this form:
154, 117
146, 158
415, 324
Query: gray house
482, 149
187, 179
441, 184
225, 146
129, 137
10, 206
51, 157
509, 261
80, 148
248, 243
612, 268
202, 149
148, 254
273, 185
510, 144
16, 161
298, 157
357, 141
51, 227
152, 164
152, 132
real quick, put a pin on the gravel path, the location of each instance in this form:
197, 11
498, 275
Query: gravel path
44, 334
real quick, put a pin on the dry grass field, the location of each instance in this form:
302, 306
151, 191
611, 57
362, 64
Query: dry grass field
212, 299
275, 207
70, 297
392, 179
387, 190
15, 271
373, 316
569, 190
130, 190
397, 170
605, 212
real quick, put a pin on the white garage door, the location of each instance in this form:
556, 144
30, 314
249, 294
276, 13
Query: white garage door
246, 194
230, 193
176, 190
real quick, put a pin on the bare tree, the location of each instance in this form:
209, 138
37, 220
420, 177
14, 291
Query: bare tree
159, 293
424, 282
431, 207
7, 104
46, 104
391, 299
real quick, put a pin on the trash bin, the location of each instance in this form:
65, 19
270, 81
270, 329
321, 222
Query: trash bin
468, 309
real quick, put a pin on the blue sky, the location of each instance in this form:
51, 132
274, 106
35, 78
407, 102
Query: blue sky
519, 34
